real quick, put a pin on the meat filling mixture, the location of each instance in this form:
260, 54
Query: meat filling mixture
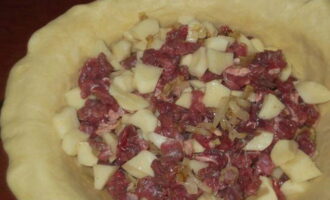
194, 111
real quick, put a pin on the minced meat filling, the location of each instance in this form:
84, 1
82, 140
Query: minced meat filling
201, 148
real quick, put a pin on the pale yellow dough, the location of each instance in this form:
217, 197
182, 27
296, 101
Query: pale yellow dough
39, 169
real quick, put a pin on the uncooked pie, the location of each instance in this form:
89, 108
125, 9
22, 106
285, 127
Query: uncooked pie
192, 111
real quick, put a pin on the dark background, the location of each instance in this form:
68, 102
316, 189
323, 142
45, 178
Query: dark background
18, 20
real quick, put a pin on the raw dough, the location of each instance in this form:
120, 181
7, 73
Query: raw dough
39, 170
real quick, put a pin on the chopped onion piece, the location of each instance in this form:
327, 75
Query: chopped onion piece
239, 112
193, 129
221, 111
200, 184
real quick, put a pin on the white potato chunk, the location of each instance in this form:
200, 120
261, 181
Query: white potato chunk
257, 44
145, 28
112, 141
65, 121
283, 151
250, 48
184, 100
157, 139
140, 165
277, 173
115, 63
163, 33
210, 29
291, 189
144, 119
156, 44
85, 155
219, 43
301, 168
186, 60
260, 142
146, 77
196, 31
214, 92
128, 101
285, 73
73, 98
140, 45
266, 191
191, 186
312, 92
236, 93
198, 64
102, 173
121, 49
71, 140
125, 81
271, 107
197, 147
196, 165
197, 84
218, 61
100, 47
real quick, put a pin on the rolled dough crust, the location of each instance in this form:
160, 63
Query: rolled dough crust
38, 168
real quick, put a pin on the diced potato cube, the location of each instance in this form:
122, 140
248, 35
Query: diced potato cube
156, 44
115, 63
219, 43
157, 139
191, 186
140, 165
186, 60
73, 98
65, 121
260, 142
283, 151
100, 47
85, 155
121, 49
197, 147
286, 72
198, 64
196, 165
197, 84
312, 92
291, 189
196, 31
266, 191
71, 140
146, 77
271, 107
301, 168
125, 81
218, 61
210, 29
102, 173
140, 45
128, 101
112, 141
243, 39
184, 100
145, 120
145, 28
214, 92
257, 44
